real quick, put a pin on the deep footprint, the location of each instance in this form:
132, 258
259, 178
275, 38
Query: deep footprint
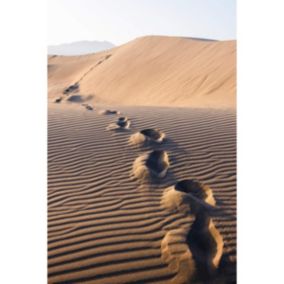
123, 123
71, 89
87, 106
206, 245
188, 196
109, 112
204, 242
147, 136
57, 100
153, 164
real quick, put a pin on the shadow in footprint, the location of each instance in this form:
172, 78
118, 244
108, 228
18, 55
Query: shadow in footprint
123, 123
57, 100
188, 196
147, 137
109, 112
153, 165
206, 246
87, 106
204, 242
78, 98
71, 89
199, 194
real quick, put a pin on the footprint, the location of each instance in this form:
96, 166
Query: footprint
194, 255
147, 136
109, 112
71, 89
206, 245
152, 164
57, 100
188, 196
203, 240
122, 123
75, 99
87, 106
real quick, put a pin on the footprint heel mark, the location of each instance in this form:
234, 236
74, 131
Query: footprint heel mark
147, 136
153, 164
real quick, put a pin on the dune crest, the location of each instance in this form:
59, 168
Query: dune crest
152, 71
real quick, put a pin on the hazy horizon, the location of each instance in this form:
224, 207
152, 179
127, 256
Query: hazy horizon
121, 21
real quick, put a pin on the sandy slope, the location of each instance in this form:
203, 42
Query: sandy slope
105, 226
153, 70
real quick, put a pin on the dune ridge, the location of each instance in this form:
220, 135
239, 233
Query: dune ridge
152, 71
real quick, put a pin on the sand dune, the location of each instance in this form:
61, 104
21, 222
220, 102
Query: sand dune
141, 190
152, 71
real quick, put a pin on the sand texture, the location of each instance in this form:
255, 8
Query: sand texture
141, 171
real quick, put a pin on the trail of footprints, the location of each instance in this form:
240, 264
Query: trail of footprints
194, 254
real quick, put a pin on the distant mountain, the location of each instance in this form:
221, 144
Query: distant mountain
79, 47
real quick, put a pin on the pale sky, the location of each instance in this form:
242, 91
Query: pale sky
119, 21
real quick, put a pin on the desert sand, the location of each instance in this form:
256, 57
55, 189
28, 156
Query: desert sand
142, 164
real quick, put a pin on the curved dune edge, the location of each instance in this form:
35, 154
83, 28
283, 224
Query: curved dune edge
188, 196
175, 252
207, 67
152, 164
147, 136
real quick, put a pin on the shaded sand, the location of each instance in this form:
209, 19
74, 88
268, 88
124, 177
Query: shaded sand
153, 71
188, 196
153, 164
122, 123
106, 227
147, 136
